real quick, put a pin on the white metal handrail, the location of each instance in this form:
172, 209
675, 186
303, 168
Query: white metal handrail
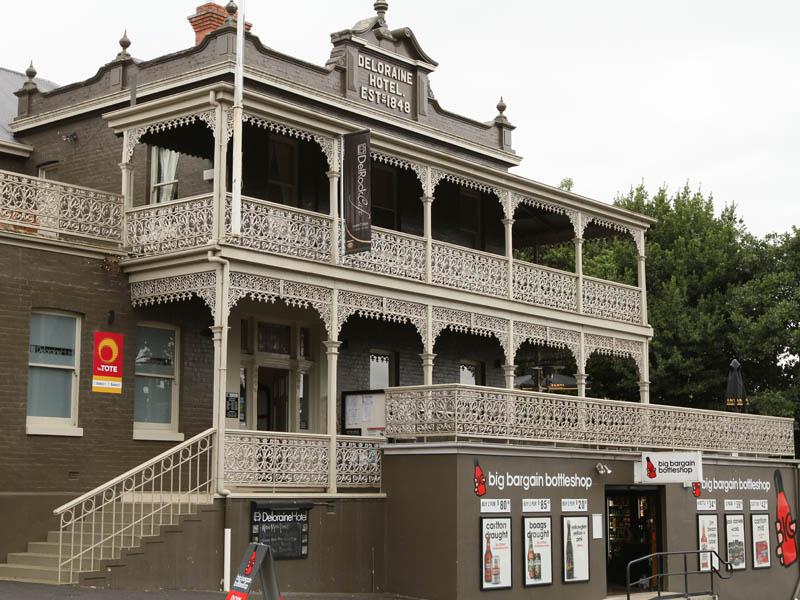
34, 205
612, 300
117, 514
453, 410
170, 226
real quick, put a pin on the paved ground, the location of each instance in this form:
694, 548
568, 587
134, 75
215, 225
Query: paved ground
31, 591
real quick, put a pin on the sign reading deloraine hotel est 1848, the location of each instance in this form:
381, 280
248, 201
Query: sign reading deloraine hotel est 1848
385, 84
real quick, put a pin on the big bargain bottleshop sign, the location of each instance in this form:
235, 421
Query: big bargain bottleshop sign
107, 369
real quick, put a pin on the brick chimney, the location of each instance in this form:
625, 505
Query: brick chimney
209, 17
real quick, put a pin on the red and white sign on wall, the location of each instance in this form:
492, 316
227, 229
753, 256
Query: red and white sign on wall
107, 369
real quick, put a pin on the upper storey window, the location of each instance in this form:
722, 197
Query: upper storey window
164, 175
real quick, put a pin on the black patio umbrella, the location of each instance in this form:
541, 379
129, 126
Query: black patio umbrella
735, 395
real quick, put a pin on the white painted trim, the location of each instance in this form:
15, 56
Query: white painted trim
304, 495
15, 148
59, 430
144, 433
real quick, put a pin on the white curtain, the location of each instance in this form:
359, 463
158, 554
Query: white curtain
167, 167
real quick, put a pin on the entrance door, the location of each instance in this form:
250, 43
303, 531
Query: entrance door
634, 530
273, 399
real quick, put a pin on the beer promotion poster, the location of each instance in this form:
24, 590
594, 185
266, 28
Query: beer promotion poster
735, 542
761, 550
357, 192
707, 539
537, 535
495, 553
575, 532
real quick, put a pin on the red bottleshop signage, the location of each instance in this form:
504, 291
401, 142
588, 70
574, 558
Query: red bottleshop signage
107, 369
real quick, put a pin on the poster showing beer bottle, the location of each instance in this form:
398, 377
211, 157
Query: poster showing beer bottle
537, 533
708, 539
495, 553
575, 532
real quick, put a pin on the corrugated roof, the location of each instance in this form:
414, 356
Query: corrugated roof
10, 82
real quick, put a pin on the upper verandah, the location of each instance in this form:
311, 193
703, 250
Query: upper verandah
375, 77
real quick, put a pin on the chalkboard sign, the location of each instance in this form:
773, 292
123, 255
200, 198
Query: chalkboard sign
231, 405
283, 528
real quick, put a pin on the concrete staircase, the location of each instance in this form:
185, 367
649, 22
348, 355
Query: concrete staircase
40, 563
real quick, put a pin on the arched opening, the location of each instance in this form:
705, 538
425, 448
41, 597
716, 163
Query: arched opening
468, 359
609, 254
396, 194
543, 237
467, 217
541, 368
613, 377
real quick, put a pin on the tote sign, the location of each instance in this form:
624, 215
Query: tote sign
672, 467
256, 562
107, 369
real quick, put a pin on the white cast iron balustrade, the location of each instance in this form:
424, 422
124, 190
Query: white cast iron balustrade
466, 269
170, 226
609, 300
32, 205
457, 411
299, 460
545, 287
392, 253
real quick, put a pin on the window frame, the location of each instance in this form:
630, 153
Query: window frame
480, 367
169, 432
156, 185
65, 426
394, 374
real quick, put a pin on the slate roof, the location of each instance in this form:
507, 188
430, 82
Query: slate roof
10, 82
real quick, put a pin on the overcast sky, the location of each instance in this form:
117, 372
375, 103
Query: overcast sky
608, 93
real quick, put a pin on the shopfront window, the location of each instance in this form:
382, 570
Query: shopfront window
155, 409
53, 365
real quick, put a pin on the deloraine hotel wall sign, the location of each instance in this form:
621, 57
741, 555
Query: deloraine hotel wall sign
385, 84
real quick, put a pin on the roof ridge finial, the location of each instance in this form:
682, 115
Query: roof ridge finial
232, 10
31, 71
381, 6
501, 107
124, 43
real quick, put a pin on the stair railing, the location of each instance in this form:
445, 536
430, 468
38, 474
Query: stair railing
117, 514
713, 559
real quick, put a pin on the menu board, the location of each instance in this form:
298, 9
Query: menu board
537, 534
364, 413
708, 539
761, 551
575, 533
735, 542
495, 553
283, 528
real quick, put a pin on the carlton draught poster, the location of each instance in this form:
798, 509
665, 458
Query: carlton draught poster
357, 193
538, 550
761, 526
495, 553
575, 532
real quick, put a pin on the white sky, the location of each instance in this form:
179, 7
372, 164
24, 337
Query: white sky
609, 93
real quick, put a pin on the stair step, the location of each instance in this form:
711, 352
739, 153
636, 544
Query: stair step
87, 539
27, 573
52, 547
34, 559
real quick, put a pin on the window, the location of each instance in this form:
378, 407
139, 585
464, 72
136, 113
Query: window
471, 372
155, 405
164, 168
282, 171
384, 197
382, 369
53, 366
274, 338
47, 170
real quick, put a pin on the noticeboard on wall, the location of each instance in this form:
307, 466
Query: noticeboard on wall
283, 528
364, 413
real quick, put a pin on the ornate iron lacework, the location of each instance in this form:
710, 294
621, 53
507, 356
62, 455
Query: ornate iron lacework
170, 227
466, 269
178, 287
516, 199
209, 117
486, 413
402, 163
467, 322
612, 301
268, 289
545, 287
378, 307
326, 143
391, 253
438, 175
611, 346
41, 205
635, 232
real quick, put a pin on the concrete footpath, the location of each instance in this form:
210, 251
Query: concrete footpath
10, 590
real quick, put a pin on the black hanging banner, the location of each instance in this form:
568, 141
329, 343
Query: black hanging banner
357, 193
257, 561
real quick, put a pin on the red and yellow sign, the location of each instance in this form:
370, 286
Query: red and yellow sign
107, 370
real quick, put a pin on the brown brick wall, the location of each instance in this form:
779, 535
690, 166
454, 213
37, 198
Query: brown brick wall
40, 279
